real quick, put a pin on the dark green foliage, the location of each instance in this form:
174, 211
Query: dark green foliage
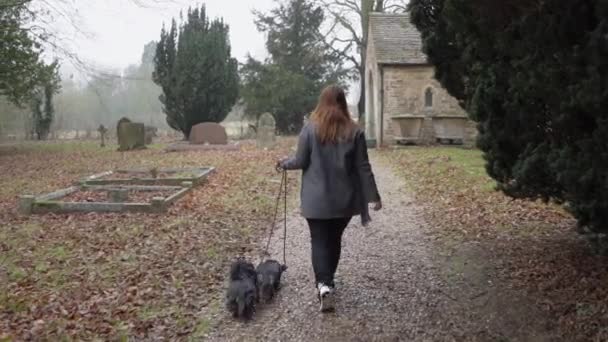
535, 76
196, 72
287, 95
300, 65
21, 69
41, 100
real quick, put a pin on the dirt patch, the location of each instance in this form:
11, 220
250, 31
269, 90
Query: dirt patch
473, 286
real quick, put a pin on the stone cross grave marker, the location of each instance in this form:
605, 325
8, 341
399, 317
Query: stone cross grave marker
102, 133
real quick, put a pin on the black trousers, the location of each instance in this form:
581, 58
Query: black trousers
326, 241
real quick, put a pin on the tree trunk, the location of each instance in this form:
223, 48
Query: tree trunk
362, 91
367, 6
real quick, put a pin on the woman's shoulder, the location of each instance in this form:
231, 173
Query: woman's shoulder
308, 127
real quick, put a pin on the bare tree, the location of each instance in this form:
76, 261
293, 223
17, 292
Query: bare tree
347, 32
40, 20
55, 26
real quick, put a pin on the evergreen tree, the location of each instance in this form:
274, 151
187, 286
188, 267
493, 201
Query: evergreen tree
300, 65
196, 72
534, 75
20, 66
41, 100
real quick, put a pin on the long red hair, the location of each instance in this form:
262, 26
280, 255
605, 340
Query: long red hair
331, 117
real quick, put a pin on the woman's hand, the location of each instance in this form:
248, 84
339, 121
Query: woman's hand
279, 165
377, 205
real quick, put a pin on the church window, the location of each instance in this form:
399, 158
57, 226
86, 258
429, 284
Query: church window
428, 98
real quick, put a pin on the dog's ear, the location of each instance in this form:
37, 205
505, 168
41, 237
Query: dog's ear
283, 268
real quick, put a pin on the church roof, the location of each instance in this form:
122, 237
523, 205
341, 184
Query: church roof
396, 40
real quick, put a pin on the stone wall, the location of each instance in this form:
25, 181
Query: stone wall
404, 94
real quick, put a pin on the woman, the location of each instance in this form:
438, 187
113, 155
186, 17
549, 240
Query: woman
337, 184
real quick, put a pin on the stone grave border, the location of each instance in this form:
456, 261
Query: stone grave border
200, 175
50, 203
186, 146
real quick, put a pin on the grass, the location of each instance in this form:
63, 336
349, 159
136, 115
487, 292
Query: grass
151, 312
454, 167
142, 271
531, 246
454, 182
201, 329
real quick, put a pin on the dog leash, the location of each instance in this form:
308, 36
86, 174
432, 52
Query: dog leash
282, 191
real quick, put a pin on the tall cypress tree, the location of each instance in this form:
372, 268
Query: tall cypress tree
534, 75
194, 68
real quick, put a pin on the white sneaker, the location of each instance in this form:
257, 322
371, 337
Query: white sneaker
326, 298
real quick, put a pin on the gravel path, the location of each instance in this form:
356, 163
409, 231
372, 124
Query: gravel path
389, 287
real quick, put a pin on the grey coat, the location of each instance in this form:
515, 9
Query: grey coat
337, 179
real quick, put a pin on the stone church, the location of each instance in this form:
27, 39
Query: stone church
404, 103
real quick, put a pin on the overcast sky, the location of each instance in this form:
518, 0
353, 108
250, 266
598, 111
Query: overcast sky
118, 29
114, 32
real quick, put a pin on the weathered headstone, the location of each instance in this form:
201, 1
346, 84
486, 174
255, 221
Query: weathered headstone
266, 131
150, 134
208, 133
131, 136
102, 133
122, 120
118, 125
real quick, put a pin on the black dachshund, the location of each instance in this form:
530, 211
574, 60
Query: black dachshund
269, 278
243, 290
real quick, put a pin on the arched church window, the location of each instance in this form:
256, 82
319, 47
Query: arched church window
428, 98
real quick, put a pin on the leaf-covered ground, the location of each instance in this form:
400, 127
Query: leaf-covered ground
530, 246
125, 276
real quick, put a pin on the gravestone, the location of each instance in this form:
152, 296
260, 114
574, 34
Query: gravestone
150, 134
102, 133
208, 133
131, 136
266, 131
120, 122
